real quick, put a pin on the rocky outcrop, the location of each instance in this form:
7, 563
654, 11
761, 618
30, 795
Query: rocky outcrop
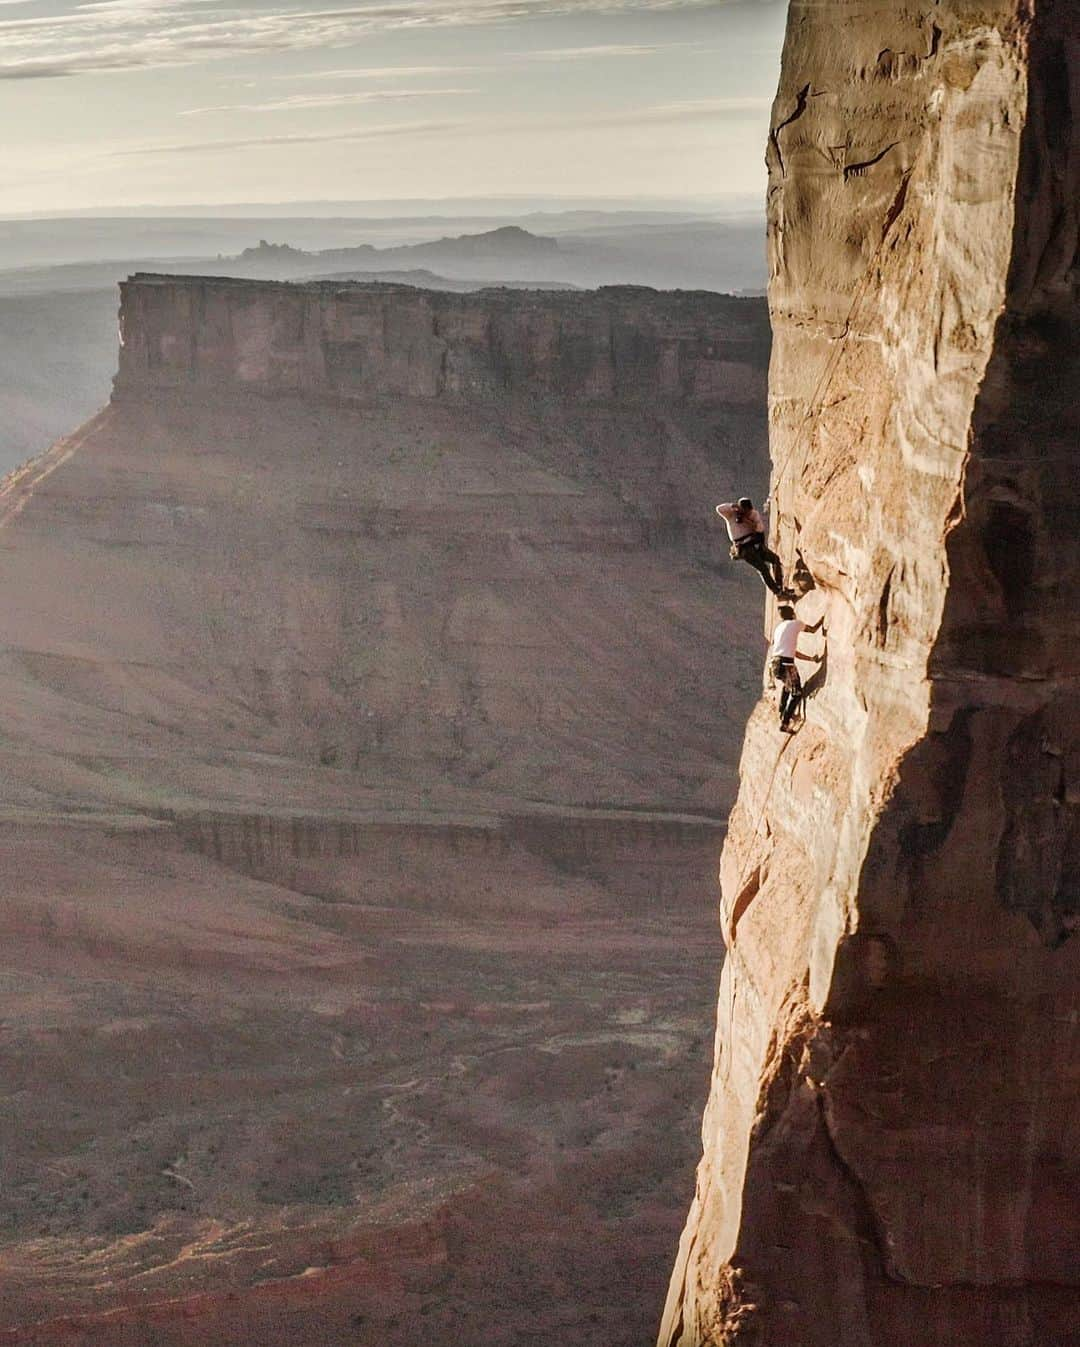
353, 341
644, 856
891, 1148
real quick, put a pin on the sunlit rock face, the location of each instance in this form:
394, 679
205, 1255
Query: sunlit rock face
892, 1145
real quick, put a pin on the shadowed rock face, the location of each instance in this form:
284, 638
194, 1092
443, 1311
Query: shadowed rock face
363, 752
892, 1143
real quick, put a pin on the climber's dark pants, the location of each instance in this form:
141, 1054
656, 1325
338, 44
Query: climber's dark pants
785, 672
753, 551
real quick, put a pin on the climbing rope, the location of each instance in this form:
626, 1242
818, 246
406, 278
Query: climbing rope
817, 402
815, 406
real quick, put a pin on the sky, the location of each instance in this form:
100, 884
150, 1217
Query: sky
125, 103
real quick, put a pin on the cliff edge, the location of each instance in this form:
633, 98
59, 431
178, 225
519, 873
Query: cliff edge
891, 1147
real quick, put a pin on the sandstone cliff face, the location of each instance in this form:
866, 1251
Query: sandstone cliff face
892, 1147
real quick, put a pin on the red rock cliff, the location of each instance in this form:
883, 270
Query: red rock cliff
892, 1146
354, 341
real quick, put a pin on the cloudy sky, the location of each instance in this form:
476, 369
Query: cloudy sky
132, 102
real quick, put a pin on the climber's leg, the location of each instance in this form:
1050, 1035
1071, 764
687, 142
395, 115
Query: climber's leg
753, 551
778, 671
777, 568
791, 695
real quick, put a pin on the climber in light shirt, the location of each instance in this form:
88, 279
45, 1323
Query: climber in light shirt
782, 655
746, 529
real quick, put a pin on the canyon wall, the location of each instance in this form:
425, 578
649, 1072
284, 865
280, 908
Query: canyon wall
379, 529
355, 341
892, 1146
367, 731
682, 374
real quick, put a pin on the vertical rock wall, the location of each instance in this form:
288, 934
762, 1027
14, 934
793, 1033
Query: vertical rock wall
353, 342
892, 1144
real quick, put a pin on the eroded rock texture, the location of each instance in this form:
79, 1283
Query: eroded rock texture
892, 1145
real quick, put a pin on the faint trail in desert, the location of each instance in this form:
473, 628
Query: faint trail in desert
17, 489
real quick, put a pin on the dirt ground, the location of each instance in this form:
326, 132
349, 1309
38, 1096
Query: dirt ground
360, 781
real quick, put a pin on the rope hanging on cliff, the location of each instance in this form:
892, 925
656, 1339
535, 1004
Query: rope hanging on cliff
816, 403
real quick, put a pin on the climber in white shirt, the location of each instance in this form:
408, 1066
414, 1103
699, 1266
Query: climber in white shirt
782, 656
747, 529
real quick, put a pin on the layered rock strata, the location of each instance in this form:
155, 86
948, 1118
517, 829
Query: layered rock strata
430, 584
682, 373
628, 343
892, 1145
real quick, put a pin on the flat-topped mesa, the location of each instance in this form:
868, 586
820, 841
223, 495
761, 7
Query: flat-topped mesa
892, 1144
659, 395
355, 341
393, 516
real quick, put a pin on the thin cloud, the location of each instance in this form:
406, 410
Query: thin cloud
553, 54
114, 35
661, 114
385, 132
302, 102
378, 72
587, 53
690, 108
703, 109
37, 70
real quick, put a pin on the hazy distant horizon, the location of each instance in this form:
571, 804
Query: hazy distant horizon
511, 204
